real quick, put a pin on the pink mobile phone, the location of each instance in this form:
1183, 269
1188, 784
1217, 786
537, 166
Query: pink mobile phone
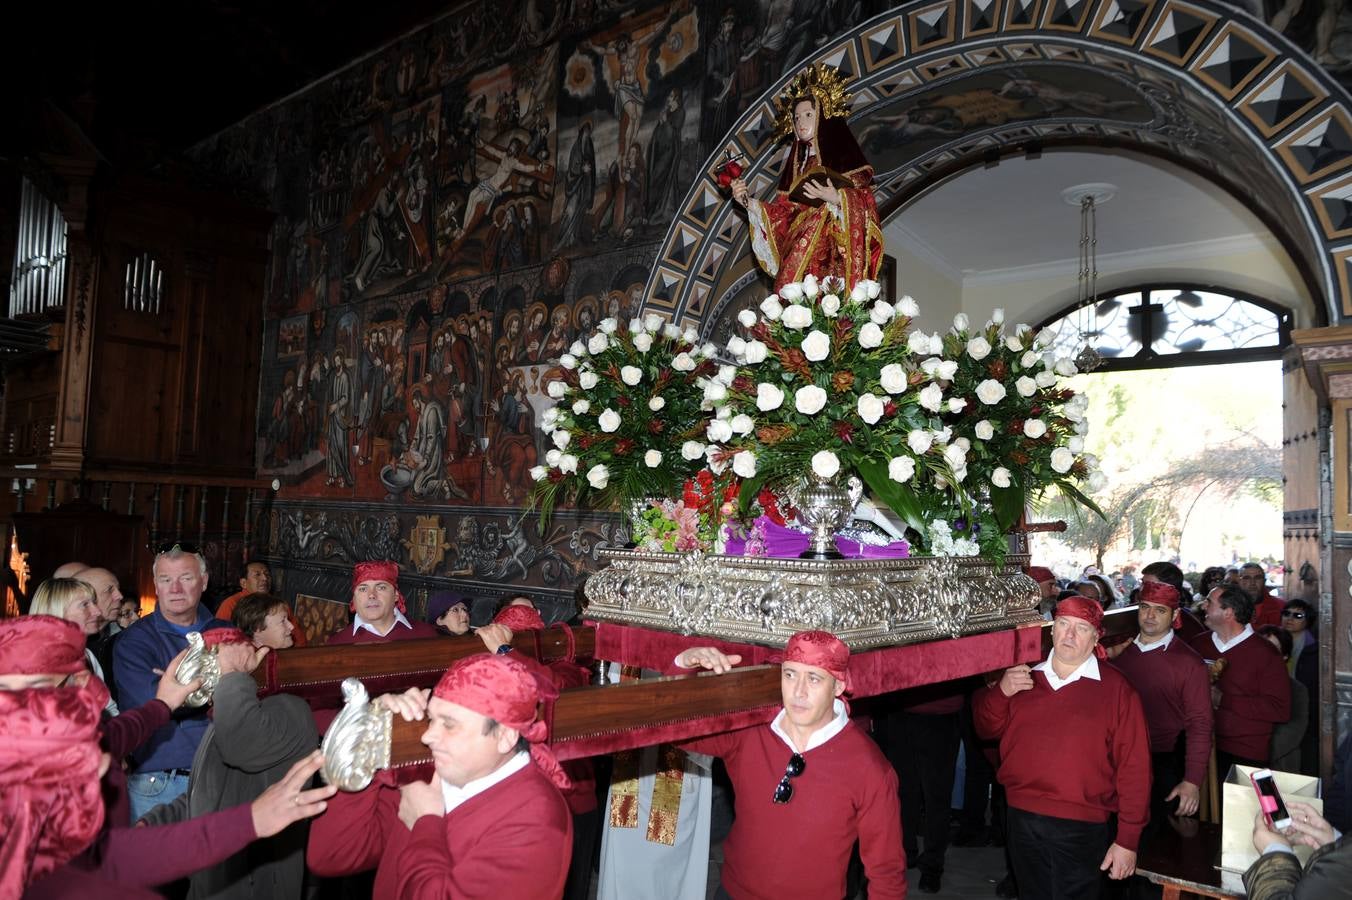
1270, 800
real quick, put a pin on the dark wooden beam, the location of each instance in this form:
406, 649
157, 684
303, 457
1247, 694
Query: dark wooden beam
317, 673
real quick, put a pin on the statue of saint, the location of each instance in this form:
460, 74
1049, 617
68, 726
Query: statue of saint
823, 219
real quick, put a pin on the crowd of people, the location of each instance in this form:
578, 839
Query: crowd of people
115, 781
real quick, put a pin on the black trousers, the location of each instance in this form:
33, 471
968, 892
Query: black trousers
979, 785
1166, 771
924, 751
586, 828
1057, 859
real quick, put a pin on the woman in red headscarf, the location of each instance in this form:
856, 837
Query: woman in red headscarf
378, 608
823, 219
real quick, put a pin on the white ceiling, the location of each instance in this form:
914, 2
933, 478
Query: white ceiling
1011, 216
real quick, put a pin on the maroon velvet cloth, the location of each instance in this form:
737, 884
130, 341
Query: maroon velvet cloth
41, 645
519, 618
50, 805
872, 672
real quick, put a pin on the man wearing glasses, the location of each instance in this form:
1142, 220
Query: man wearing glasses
160, 767
808, 785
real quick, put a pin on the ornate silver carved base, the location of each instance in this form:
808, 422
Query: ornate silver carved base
357, 744
865, 602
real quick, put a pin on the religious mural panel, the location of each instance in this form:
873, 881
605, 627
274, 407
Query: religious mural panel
624, 96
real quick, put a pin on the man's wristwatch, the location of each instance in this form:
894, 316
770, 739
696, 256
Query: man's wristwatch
505, 648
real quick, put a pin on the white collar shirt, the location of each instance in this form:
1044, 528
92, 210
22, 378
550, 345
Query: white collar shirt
818, 737
1235, 641
1157, 645
453, 796
359, 623
1087, 669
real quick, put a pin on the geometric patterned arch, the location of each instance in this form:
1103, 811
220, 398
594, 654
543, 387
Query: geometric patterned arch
941, 86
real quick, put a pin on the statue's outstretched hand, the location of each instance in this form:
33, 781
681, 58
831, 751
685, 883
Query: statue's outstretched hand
740, 192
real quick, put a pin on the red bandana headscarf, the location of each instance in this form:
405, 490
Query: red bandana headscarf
215, 636
508, 692
1040, 574
1089, 610
823, 650
1161, 594
520, 618
41, 645
377, 570
51, 804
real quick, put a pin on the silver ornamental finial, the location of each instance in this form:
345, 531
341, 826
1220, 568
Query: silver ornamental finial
201, 663
357, 744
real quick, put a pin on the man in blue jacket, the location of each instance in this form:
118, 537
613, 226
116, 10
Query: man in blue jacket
160, 767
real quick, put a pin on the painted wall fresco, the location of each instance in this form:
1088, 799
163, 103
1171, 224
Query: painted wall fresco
453, 212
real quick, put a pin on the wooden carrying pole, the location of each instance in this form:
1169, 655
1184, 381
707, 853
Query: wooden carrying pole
596, 719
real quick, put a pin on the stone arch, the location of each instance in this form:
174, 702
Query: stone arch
1196, 83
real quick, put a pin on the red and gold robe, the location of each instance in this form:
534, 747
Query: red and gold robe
792, 240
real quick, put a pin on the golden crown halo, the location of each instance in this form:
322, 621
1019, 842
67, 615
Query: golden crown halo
820, 82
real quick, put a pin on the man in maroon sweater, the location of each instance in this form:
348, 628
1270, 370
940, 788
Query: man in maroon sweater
1267, 609
489, 824
1175, 692
378, 608
1253, 693
807, 786
1074, 750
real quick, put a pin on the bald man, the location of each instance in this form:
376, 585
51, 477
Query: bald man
108, 596
68, 570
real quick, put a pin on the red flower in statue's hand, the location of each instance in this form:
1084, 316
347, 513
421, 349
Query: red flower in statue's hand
729, 171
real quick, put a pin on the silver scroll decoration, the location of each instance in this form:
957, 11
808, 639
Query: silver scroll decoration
357, 744
865, 602
201, 663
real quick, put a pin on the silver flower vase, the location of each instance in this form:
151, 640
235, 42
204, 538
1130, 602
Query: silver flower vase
825, 507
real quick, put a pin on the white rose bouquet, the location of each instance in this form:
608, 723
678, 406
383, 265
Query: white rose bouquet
1017, 422
630, 418
828, 385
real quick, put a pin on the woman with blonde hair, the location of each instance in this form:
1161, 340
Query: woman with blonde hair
75, 601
